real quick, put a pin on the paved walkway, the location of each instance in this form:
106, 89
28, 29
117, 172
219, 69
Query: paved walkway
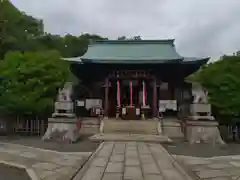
130, 161
44, 164
215, 168
131, 137
123, 160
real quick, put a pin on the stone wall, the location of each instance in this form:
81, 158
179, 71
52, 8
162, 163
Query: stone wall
172, 128
90, 126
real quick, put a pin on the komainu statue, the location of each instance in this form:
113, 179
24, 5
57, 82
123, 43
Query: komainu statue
65, 94
63, 125
200, 106
201, 126
199, 94
64, 103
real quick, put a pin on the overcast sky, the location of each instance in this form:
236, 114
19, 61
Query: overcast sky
200, 27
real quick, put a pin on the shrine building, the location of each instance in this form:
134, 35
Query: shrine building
133, 79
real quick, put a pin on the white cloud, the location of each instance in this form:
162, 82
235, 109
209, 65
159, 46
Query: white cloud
201, 28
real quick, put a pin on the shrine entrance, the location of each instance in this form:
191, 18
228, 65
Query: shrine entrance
134, 79
129, 95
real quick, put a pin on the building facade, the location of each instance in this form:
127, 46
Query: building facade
133, 79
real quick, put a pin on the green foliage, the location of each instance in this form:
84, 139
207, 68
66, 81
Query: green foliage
68, 46
16, 28
21, 32
121, 38
31, 71
222, 80
30, 82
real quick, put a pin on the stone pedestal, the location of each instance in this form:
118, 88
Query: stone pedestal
201, 109
62, 129
202, 131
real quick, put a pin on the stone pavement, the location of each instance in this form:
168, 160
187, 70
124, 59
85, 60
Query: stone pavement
130, 161
43, 164
215, 168
130, 137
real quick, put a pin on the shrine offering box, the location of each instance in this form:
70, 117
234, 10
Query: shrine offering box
130, 113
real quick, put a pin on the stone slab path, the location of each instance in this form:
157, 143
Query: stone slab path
130, 137
130, 161
45, 164
215, 168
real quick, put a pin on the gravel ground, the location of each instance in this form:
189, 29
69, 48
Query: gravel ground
82, 145
12, 173
202, 150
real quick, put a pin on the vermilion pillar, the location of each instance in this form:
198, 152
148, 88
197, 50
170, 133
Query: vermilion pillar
144, 94
154, 101
106, 97
118, 94
131, 93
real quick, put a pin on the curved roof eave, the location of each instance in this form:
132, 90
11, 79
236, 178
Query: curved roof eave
74, 59
129, 61
195, 60
184, 60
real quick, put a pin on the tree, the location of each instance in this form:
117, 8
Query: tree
21, 32
136, 38
77, 46
68, 45
16, 28
31, 81
222, 80
121, 38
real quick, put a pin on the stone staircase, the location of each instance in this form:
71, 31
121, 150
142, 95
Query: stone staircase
131, 126
171, 127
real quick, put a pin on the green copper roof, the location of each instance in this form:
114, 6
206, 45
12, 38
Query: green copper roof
132, 51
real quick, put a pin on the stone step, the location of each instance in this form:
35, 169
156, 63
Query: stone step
172, 127
130, 137
131, 126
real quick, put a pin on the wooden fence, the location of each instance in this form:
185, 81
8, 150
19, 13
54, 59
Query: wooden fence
27, 127
230, 133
